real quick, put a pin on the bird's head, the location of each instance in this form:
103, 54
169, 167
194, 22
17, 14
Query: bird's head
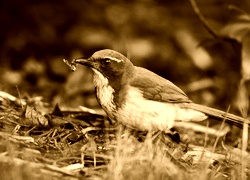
108, 62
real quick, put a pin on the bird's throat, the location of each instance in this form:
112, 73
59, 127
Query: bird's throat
104, 93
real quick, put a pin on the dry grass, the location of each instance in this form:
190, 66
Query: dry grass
82, 145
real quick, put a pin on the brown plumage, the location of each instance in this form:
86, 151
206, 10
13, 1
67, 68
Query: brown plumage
141, 99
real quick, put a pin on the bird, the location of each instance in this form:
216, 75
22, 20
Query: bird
139, 98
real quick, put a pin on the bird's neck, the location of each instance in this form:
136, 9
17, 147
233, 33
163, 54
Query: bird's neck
108, 88
101, 81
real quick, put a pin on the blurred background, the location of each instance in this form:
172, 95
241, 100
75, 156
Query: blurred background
163, 36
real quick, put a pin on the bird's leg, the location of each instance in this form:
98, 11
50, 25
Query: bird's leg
173, 135
170, 136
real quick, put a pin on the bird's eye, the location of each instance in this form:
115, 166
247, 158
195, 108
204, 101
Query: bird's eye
107, 61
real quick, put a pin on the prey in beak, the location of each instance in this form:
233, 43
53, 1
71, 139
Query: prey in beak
73, 65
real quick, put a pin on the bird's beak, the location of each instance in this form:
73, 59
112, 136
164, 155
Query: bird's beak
85, 62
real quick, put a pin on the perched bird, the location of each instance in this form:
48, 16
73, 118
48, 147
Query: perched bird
141, 99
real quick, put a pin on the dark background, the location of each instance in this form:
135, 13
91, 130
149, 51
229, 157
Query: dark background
163, 36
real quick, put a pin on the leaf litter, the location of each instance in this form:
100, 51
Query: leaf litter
84, 144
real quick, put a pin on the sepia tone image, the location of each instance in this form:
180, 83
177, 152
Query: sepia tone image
115, 90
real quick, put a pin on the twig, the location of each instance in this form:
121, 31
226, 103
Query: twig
202, 19
221, 127
203, 129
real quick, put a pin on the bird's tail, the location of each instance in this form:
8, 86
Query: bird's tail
218, 114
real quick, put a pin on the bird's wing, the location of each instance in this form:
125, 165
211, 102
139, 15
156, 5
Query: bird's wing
154, 87
157, 88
